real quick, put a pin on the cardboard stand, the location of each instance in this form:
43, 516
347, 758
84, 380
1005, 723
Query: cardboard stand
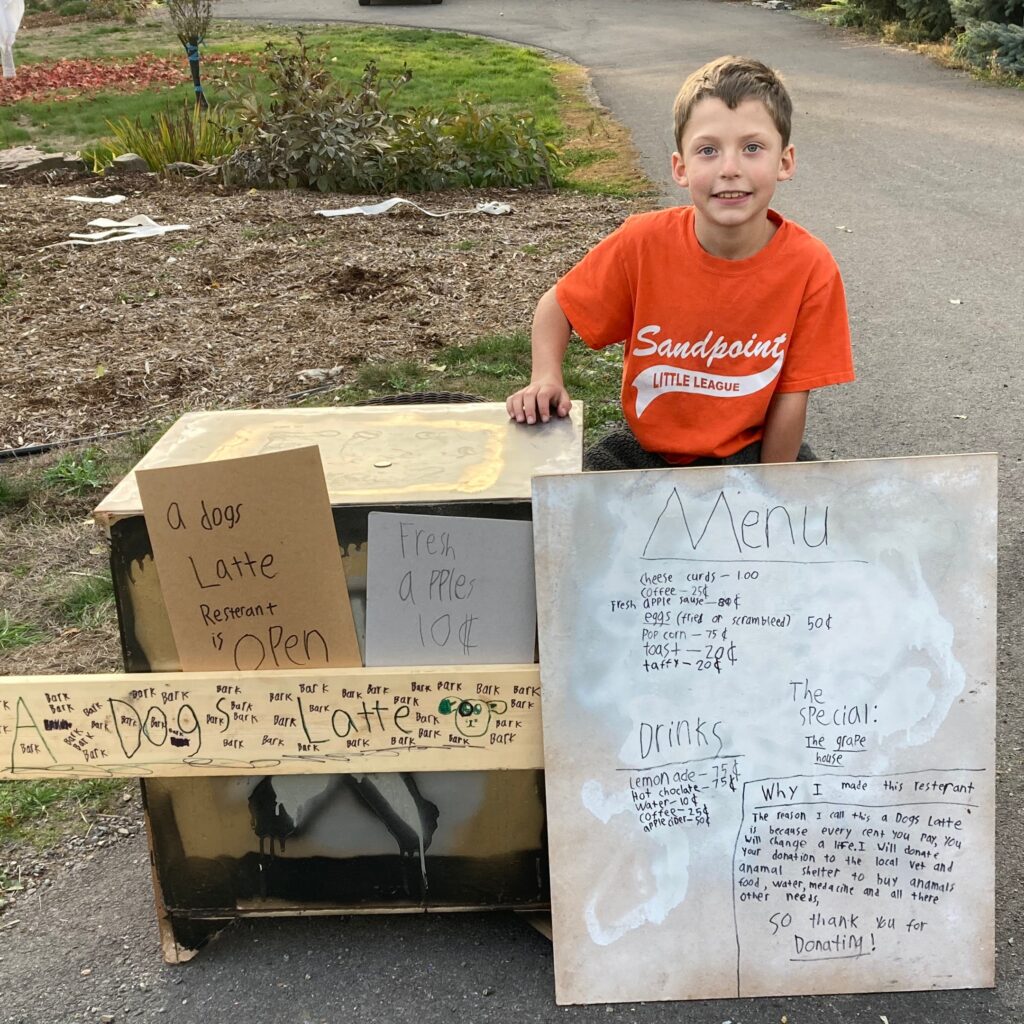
347, 839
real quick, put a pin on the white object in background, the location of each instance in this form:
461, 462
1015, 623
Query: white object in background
11, 12
495, 209
120, 231
105, 200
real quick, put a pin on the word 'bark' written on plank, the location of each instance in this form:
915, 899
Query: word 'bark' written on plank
449, 590
770, 706
249, 564
331, 720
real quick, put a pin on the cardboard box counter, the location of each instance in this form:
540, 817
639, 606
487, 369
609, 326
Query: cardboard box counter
356, 842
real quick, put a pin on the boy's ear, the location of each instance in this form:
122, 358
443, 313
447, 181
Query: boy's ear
787, 163
679, 171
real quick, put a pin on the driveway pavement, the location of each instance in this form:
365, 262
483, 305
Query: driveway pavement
921, 168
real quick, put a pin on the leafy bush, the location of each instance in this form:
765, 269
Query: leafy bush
122, 10
189, 134
868, 14
914, 20
315, 134
991, 32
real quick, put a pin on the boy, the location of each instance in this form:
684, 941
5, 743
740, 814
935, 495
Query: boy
730, 314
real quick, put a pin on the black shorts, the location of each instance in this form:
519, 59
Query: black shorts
618, 448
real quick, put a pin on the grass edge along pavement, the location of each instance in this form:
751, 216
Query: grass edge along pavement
64, 485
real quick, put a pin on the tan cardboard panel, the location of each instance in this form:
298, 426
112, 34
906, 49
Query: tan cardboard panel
248, 561
281, 723
378, 454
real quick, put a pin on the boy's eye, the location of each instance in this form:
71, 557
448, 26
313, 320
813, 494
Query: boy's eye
752, 147
706, 151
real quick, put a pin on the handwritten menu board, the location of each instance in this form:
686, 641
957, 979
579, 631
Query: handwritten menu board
449, 590
242, 723
249, 564
769, 705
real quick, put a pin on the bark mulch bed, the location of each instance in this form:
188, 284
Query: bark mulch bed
230, 312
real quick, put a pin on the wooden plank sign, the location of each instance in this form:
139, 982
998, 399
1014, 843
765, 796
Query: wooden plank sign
769, 724
449, 590
254, 723
249, 564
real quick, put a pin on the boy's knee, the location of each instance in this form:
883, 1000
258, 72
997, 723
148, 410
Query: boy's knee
618, 448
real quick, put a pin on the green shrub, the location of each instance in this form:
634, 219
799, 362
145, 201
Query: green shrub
932, 19
999, 11
189, 134
989, 44
917, 20
126, 11
993, 33
315, 134
73, 7
868, 14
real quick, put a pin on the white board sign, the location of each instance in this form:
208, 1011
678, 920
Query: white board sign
449, 590
769, 706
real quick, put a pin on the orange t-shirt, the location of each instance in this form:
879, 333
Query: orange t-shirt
709, 341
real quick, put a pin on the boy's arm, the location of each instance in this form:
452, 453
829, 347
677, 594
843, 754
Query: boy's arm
549, 340
784, 427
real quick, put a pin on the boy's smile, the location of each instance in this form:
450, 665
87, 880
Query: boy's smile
731, 161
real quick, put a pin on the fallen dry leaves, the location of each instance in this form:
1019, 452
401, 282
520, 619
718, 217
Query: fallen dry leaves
70, 78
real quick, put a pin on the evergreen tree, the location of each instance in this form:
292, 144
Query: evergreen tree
932, 18
993, 33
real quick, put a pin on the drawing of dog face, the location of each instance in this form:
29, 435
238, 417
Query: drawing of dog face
472, 717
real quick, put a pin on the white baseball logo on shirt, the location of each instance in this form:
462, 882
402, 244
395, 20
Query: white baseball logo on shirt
655, 381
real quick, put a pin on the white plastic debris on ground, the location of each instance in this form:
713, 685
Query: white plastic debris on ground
120, 231
105, 200
11, 12
494, 209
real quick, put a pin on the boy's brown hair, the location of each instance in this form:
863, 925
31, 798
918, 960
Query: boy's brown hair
733, 80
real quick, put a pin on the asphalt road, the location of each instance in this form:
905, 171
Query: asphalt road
921, 167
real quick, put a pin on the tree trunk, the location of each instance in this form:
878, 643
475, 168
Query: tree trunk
192, 49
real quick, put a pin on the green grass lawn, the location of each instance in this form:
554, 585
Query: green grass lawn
446, 67
491, 368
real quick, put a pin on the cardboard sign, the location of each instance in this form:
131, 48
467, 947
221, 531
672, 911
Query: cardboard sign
449, 590
249, 563
769, 728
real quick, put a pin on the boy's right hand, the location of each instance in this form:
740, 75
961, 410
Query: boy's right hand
537, 401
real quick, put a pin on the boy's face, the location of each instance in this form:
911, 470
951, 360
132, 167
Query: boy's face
731, 162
